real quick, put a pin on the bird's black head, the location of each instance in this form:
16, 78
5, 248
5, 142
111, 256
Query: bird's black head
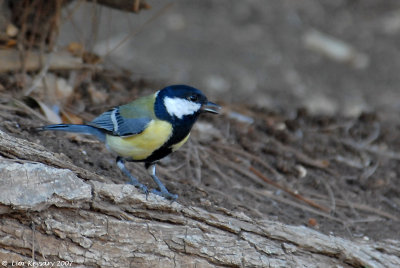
181, 103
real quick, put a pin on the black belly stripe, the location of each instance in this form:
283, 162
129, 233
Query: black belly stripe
179, 132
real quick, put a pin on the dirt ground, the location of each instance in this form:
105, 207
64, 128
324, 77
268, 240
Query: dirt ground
319, 143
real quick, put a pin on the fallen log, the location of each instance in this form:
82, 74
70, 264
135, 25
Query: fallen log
52, 212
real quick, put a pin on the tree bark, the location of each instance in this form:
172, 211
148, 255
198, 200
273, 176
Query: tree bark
56, 212
124, 5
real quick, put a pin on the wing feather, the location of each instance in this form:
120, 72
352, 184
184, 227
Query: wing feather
113, 123
129, 119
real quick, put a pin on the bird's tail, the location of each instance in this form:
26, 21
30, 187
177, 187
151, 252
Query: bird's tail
82, 129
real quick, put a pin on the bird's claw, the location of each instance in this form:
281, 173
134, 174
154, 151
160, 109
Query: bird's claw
141, 187
165, 194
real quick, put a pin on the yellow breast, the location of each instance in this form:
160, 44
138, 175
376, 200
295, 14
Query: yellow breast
141, 146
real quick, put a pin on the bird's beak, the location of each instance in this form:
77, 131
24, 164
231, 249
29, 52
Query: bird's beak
210, 107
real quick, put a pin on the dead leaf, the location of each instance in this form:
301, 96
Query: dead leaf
12, 30
70, 118
50, 115
76, 49
63, 89
96, 95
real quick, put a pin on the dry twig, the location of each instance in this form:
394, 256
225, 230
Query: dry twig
298, 196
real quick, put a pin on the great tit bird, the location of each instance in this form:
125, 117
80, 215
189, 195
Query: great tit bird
147, 129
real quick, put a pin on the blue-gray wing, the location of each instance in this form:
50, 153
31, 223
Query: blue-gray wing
113, 123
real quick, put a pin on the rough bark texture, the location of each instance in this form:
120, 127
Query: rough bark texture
50, 214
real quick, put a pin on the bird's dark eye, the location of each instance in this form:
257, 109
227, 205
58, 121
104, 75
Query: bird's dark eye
193, 98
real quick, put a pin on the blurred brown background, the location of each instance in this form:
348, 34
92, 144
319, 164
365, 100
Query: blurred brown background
329, 56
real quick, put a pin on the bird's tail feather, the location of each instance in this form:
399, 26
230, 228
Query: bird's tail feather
82, 129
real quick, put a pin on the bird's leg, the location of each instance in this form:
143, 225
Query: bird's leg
151, 167
133, 180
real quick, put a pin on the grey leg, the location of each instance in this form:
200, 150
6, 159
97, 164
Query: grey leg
133, 180
163, 191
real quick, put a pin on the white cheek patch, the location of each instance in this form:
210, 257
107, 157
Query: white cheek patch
180, 107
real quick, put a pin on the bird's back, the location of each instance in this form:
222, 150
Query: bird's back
139, 108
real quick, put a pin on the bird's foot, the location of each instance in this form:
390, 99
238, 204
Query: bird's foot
165, 194
141, 187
